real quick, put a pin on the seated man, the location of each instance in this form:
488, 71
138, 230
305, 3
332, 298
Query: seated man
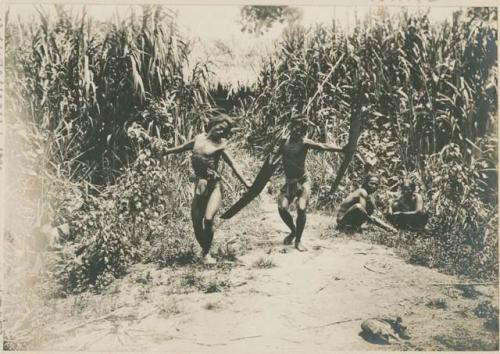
407, 211
357, 208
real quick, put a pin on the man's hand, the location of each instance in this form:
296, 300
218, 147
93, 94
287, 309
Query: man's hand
156, 145
248, 185
409, 213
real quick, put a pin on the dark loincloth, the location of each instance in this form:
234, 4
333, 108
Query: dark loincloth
294, 187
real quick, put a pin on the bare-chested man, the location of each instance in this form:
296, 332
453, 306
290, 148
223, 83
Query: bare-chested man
207, 149
358, 207
297, 184
407, 212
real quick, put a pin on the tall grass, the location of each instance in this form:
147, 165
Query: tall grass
74, 88
84, 83
426, 92
425, 86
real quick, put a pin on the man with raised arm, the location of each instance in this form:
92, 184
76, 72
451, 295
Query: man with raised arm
297, 184
207, 149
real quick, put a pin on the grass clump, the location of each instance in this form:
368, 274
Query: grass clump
438, 303
264, 263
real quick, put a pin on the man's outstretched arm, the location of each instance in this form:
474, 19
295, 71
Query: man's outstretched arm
181, 148
323, 146
238, 174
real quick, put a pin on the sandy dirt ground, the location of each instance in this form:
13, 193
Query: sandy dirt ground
275, 299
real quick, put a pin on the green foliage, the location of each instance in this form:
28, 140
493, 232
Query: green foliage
77, 87
463, 226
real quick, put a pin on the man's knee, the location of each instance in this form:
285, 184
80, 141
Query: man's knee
301, 213
209, 224
201, 187
283, 204
302, 204
359, 206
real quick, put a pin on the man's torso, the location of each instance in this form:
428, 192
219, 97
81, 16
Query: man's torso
355, 198
407, 205
206, 155
294, 157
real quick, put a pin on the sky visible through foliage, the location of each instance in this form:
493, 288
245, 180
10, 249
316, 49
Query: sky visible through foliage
222, 22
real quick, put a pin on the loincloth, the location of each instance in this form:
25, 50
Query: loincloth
294, 187
206, 175
205, 168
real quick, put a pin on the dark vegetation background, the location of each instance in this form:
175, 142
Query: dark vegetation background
83, 97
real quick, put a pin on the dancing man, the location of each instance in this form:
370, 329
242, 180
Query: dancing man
297, 184
207, 150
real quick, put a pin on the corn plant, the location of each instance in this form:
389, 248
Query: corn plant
85, 83
424, 85
425, 89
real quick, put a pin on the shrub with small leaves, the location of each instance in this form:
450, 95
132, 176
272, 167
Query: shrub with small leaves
489, 312
140, 218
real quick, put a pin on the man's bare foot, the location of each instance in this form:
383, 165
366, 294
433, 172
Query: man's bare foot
207, 259
288, 240
300, 247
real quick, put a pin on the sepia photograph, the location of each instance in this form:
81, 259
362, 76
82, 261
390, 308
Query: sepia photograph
243, 178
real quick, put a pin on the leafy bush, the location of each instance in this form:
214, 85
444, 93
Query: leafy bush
462, 225
140, 218
489, 312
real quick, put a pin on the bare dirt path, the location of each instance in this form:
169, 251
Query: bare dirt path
276, 299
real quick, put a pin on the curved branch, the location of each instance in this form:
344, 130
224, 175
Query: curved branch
355, 129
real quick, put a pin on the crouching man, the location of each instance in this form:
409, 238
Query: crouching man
358, 207
407, 212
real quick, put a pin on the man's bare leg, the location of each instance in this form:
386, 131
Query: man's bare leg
213, 205
301, 223
197, 219
287, 218
302, 217
354, 217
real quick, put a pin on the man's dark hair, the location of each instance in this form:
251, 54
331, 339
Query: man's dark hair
409, 183
368, 178
299, 121
221, 118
